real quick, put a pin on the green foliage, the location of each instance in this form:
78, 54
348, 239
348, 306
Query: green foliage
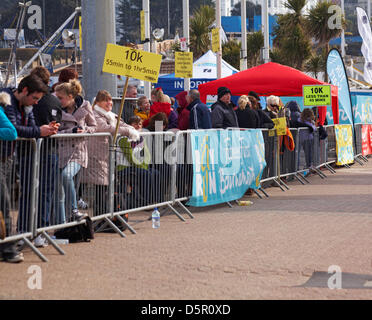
292, 43
231, 53
315, 64
255, 41
317, 23
200, 22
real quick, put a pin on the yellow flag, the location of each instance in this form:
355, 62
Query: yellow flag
216, 40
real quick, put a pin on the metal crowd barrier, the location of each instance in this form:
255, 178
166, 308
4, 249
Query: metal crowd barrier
43, 182
358, 148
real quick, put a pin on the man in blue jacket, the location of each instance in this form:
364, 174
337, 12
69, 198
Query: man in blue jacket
30, 90
200, 116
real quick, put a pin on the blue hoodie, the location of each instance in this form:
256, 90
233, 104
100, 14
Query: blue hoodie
7, 130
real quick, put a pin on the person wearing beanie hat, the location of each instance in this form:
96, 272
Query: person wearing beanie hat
222, 91
223, 115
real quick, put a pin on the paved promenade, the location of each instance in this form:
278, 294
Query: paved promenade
264, 251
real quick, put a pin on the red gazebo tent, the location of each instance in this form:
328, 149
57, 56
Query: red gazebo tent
269, 79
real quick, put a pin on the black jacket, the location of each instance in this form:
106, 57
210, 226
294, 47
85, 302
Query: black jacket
264, 119
47, 110
223, 116
248, 118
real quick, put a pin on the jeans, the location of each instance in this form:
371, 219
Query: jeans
67, 193
48, 185
308, 147
5, 183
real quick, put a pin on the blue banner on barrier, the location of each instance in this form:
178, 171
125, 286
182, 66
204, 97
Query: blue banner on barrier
226, 163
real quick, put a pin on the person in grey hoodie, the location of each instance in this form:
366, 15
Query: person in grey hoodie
223, 115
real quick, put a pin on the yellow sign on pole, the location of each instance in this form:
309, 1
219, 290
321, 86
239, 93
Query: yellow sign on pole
280, 126
216, 40
143, 35
80, 34
183, 64
132, 63
319, 95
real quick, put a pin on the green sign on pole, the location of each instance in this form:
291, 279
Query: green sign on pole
319, 95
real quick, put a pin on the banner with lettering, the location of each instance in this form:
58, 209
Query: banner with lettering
337, 76
226, 163
366, 140
344, 144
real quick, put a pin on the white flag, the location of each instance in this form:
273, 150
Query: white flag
364, 29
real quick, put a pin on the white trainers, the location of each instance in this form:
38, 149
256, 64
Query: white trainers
82, 204
40, 241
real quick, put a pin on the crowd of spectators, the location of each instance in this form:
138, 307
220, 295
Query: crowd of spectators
34, 110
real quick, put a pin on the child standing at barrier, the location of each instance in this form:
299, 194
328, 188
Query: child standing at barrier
73, 153
134, 174
307, 135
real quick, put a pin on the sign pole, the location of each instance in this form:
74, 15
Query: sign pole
121, 109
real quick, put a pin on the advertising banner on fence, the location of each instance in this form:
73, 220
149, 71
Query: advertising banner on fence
226, 163
344, 144
366, 140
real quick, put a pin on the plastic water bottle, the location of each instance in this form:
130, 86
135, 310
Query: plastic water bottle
156, 219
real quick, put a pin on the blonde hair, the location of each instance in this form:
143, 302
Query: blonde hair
167, 99
272, 100
72, 88
243, 102
159, 95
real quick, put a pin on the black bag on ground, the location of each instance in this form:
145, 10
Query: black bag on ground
80, 233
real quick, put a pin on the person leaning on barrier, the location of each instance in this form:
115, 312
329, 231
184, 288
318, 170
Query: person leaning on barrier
264, 120
247, 118
160, 103
272, 106
143, 110
73, 153
200, 115
30, 90
8, 250
173, 116
295, 113
97, 173
223, 115
46, 111
307, 136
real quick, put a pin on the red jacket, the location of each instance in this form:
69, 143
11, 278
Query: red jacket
156, 108
183, 118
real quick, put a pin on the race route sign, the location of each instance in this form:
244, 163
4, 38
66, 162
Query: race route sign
319, 95
183, 64
216, 44
132, 63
